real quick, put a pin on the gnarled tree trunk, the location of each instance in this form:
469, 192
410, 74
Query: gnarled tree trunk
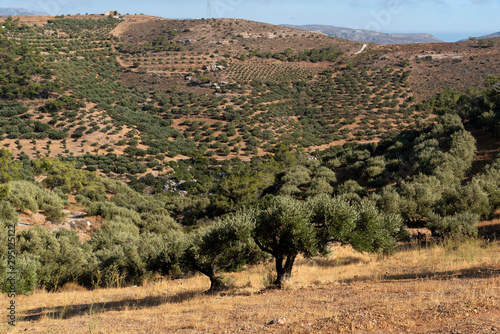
284, 271
216, 284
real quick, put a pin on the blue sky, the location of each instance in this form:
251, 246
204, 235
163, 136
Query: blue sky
449, 20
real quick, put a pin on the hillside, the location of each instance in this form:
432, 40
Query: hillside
368, 36
146, 160
493, 35
206, 76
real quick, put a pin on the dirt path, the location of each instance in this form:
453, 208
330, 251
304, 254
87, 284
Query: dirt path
362, 49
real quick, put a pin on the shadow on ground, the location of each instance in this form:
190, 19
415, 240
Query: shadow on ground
69, 311
477, 272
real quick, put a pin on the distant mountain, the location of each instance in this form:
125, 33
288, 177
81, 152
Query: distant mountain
495, 34
18, 11
368, 36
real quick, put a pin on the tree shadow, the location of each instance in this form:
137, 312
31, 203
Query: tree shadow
69, 311
490, 231
476, 272
417, 244
322, 262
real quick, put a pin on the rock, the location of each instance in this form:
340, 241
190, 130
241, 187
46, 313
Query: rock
278, 321
213, 68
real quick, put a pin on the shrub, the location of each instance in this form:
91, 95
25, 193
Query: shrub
26, 275
296, 175
110, 211
163, 253
319, 185
59, 257
25, 195
460, 224
116, 256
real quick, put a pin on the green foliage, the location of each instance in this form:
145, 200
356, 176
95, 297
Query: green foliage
319, 185
25, 195
111, 211
19, 65
60, 173
9, 169
334, 220
58, 257
240, 188
158, 223
460, 224
419, 196
8, 219
375, 231
314, 55
25, 277
225, 244
283, 229
116, 257
351, 190
163, 252
489, 181
468, 198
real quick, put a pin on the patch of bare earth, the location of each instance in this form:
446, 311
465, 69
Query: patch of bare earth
439, 66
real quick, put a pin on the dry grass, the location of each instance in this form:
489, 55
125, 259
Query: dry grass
422, 288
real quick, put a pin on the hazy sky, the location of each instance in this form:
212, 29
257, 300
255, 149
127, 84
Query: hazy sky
449, 20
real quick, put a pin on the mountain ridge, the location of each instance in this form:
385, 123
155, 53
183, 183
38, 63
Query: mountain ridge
6, 11
492, 35
368, 36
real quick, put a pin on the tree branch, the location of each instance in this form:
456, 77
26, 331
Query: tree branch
267, 250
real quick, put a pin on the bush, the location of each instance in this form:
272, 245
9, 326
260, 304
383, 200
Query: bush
469, 198
162, 253
116, 255
351, 190
460, 224
26, 275
58, 257
375, 231
110, 211
296, 175
25, 195
319, 185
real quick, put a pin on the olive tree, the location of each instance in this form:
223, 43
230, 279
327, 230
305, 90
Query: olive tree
283, 229
286, 227
222, 245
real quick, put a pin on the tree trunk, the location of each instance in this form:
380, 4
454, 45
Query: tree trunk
216, 283
284, 272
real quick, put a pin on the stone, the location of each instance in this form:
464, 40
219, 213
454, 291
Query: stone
278, 321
